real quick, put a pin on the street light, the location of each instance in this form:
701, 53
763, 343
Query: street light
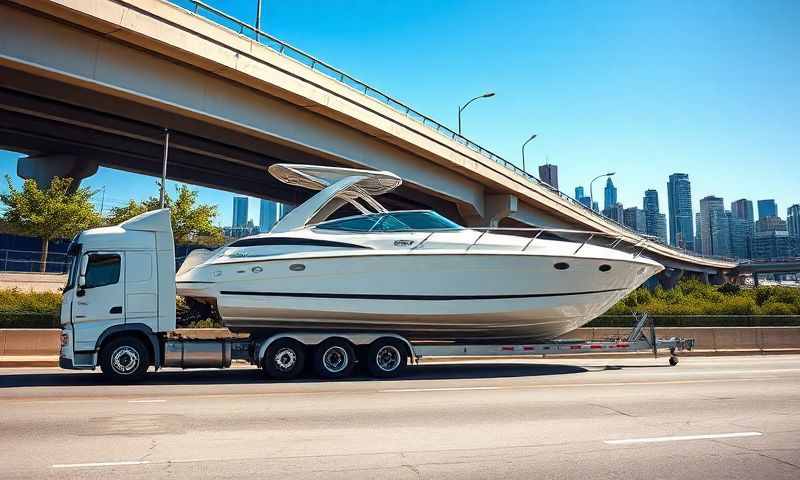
258, 21
461, 109
523, 151
591, 194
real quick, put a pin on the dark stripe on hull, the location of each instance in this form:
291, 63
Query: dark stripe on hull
364, 296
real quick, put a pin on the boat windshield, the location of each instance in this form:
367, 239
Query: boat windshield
392, 222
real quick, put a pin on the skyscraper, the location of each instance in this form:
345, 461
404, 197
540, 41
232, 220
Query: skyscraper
656, 222
267, 215
711, 209
793, 220
679, 204
610, 195
634, 218
580, 196
742, 228
239, 211
697, 237
578, 193
743, 208
767, 208
549, 174
615, 212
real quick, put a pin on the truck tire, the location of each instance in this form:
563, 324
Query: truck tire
284, 359
387, 358
334, 358
124, 359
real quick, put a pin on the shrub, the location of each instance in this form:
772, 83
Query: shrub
778, 308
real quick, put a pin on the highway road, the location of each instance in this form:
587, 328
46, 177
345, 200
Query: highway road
723, 417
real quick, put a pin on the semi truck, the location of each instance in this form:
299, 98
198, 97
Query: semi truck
118, 312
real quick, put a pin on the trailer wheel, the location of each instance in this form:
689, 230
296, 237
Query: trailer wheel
284, 359
124, 359
334, 358
387, 358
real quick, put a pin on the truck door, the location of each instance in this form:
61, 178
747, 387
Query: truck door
99, 298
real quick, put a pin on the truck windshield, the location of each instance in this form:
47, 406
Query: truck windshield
73, 254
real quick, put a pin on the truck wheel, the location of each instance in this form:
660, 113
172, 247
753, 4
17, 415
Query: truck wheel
334, 358
387, 358
284, 359
124, 359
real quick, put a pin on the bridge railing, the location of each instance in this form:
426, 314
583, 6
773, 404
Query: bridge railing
201, 8
30, 261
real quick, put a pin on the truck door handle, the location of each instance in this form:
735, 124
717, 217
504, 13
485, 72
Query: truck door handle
115, 310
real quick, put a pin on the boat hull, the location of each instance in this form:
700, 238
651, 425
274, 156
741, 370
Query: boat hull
428, 296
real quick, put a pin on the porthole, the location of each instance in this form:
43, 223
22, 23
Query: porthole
561, 266
605, 268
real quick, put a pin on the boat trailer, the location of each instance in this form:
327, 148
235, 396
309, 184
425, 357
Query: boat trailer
636, 341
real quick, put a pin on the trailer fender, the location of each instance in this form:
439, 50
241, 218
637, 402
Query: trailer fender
315, 338
134, 327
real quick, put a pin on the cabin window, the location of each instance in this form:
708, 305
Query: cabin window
102, 270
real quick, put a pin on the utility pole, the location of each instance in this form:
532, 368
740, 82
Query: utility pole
258, 21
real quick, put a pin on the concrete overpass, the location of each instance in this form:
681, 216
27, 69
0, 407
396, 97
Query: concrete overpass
94, 83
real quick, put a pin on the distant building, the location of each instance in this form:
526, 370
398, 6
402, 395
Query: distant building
239, 212
232, 233
771, 224
581, 197
634, 218
549, 174
741, 234
767, 208
793, 220
655, 221
771, 244
267, 215
595, 206
697, 237
679, 204
615, 212
743, 208
711, 209
609, 195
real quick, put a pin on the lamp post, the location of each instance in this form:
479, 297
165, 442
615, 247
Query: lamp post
591, 194
258, 21
523, 151
461, 109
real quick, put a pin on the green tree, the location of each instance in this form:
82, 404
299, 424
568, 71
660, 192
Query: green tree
48, 214
191, 223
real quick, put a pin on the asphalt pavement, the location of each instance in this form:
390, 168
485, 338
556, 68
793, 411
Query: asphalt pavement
720, 417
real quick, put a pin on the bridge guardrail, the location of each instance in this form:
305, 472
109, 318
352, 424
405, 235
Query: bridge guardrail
30, 261
209, 12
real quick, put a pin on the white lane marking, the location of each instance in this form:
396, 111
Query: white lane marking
682, 438
100, 464
147, 401
443, 389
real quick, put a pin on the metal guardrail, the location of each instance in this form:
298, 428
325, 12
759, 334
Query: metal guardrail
201, 8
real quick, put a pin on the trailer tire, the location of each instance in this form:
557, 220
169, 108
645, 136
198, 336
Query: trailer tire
124, 359
284, 359
387, 358
334, 358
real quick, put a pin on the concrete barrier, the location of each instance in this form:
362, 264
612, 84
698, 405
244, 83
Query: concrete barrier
32, 282
20, 342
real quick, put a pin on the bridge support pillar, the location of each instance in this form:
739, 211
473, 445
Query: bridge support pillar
669, 278
42, 168
498, 207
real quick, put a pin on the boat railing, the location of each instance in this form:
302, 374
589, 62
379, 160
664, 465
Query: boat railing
616, 240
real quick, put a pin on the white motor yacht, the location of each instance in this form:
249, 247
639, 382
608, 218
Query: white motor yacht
414, 273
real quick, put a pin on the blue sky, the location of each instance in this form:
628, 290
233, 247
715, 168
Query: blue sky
643, 88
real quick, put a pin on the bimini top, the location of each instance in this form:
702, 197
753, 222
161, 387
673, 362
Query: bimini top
315, 177
337, 186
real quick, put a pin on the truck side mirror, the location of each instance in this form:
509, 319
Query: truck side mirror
82, 272
82, 281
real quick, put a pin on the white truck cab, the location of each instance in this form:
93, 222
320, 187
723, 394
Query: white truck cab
121, 283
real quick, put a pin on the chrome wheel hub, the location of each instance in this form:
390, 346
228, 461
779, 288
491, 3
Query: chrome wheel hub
388, 358
335, 359
125, 360
285, 359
